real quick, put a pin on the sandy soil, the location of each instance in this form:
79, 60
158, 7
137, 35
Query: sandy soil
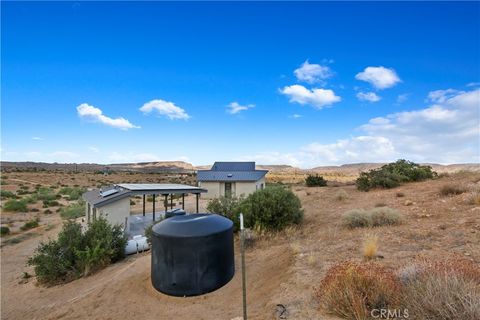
281, 269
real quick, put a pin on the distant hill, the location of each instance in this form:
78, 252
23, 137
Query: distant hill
185, 167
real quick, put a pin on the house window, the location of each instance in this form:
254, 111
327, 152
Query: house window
228, 189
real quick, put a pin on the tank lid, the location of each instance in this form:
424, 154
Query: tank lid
192, 225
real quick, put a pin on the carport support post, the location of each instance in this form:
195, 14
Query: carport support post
165, 203
154, 207
242, 251
197, 200
183, 201
171, 201
144, 205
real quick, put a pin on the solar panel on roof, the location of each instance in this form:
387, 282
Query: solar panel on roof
108, 192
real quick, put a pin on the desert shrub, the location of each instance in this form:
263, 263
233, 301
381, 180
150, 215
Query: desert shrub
30, 224
50, 203
72, 193
48, 211
400, 194
16, 205
393, 174
228, 207
73, 211
75, 253
4, 230
352, 290
271, 209
376, 217
447, 289
132, 203
315, 181
5, 194
341, 195
45, 194
148, 231
473, 198
451, 190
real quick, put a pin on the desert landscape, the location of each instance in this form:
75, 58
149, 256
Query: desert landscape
283, 269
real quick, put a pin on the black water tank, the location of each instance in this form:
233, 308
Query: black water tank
192, 254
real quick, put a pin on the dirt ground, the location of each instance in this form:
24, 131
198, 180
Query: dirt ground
281, 269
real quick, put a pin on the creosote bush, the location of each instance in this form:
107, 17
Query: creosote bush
270, 209
341, 195
72, 193
16, 205
76, 254
4, 231
393, 174
30, 224
315, 181
73, 211
376, 217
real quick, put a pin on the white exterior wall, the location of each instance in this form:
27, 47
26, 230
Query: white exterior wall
217, 189
115, 212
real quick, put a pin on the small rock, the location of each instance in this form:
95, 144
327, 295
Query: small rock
281, 311
467, 254
408, 202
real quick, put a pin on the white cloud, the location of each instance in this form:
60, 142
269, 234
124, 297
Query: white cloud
273, 158
368, 96
318, 98
473, 84
165, 108
446, 132
401, 98
296, 116
311, 73
440, 96
379, 77
95, 114
37, 138
235, 107
94, 149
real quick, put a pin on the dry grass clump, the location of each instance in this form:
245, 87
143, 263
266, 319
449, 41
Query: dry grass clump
376, 217
473, 198
352, 290
452, 189
430, 290
341, 195
448, 289
370, 246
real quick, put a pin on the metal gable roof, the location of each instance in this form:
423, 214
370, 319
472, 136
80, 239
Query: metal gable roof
212, 175
233, 166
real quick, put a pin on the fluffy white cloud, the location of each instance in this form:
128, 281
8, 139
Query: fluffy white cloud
165, 108
310, 72
446, 132
274, 158
95, 114
368, 96
317, 98
37, 138
401, 98
379, 77
235, 107
440, 96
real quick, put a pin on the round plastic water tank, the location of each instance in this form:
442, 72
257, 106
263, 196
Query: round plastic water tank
192, 254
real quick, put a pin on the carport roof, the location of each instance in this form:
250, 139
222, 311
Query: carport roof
100, 197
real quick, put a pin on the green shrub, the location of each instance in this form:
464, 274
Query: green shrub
30, 224
271, 209
16, 205
50, 203
72, 193
4, 231
5, 194
315, 181
393, 174
148, 231
73, 211
44, 193
74, 254
228, 207
376, 217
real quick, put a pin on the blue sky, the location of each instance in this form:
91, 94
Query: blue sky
305, 84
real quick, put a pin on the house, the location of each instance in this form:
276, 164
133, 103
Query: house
231, 179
